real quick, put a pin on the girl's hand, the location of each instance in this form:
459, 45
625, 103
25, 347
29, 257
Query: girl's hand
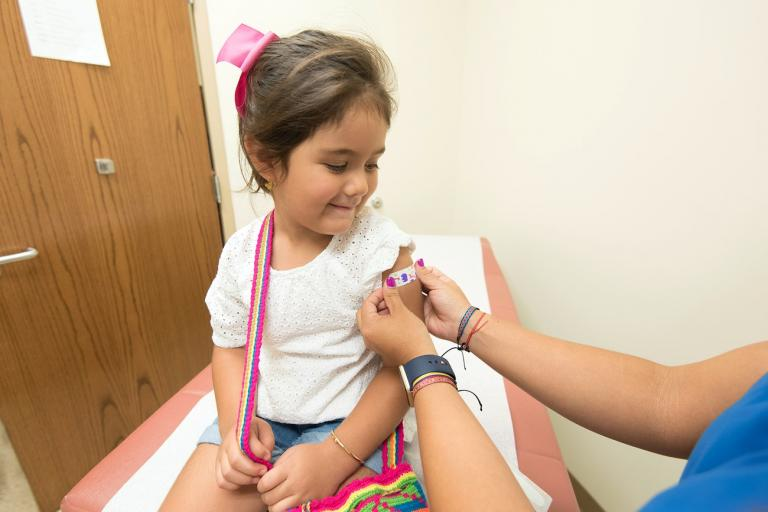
445, 304
390, 329
233, 468
304, 472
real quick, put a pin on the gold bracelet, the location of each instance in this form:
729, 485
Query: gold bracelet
338, 442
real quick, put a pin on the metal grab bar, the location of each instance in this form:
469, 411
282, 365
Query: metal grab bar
30, 253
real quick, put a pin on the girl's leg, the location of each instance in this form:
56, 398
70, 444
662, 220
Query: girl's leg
196, 488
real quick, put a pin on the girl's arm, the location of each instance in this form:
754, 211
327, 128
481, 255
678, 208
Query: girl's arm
233, 468
384, 402
227, 369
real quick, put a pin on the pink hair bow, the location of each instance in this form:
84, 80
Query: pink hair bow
242, 48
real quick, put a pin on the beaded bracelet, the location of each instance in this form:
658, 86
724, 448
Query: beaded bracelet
434, 379
338, 442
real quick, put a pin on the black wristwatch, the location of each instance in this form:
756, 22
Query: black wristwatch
420, 366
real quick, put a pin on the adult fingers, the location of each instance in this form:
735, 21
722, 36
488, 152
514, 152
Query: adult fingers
371, 303
428, 309
431, 278
368, 313
392, 297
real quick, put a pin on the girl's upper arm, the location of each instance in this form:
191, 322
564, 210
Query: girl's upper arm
411, 292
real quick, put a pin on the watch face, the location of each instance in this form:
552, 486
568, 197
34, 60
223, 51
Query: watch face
404, 376
407, 385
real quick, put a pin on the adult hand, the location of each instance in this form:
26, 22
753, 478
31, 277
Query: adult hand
233, 468
445, 304
390, 329
302, 473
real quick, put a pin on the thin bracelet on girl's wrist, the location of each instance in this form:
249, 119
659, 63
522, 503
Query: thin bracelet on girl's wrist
338, 442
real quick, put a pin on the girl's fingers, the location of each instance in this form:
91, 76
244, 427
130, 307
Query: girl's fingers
237, 478
285, 504
240, 462
223, 482
238, 471
267, 439
258, 448
271, 480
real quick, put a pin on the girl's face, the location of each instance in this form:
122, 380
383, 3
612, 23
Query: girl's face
332, 174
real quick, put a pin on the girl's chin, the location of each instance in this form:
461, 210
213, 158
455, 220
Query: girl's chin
335, 224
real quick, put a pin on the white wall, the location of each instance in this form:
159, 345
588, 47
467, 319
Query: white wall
615, 154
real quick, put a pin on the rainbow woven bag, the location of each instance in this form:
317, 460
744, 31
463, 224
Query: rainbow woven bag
395, 489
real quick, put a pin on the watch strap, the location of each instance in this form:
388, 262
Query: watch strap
426, 364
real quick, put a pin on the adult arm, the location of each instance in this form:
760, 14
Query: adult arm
656, 407
462, 467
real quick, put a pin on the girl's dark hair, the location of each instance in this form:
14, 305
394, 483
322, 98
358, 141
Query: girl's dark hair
306, 81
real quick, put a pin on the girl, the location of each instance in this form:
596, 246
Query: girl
314, 113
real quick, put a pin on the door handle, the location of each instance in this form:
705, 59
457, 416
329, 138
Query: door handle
28, 254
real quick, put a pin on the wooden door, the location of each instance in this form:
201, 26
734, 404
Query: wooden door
108, 320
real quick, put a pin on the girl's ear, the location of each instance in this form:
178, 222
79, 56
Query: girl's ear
255, 153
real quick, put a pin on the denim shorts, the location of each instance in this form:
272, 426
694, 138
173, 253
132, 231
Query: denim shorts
287, 435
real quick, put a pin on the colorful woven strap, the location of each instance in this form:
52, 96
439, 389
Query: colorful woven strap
393, 449
259, 288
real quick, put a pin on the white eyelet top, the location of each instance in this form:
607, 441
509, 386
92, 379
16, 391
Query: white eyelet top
314, 366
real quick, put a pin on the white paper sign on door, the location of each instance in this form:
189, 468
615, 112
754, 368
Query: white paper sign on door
65, 30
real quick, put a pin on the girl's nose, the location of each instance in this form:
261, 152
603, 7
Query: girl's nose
357, 183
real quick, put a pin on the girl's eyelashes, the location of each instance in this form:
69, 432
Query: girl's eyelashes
339, 168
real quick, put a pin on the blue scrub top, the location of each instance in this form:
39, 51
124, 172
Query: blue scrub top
728, 468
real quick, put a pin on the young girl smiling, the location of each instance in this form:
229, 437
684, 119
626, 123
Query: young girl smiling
314, 110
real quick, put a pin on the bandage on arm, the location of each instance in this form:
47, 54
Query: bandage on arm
411, 295
404, 276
